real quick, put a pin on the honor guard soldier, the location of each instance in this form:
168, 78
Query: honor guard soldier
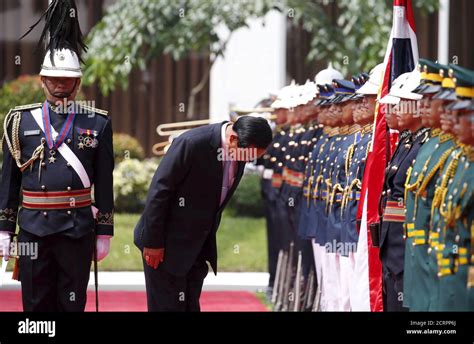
456, 207
310, 132
325, 236
363, 114
54, 156
420, 184
271, 182
392, 242
342, 105
317, 193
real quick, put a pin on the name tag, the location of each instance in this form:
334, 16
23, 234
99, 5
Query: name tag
32, 132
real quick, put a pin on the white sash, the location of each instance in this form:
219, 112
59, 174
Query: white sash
65, 151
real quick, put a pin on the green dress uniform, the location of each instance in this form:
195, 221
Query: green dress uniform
420, 187
453, 266
436, 235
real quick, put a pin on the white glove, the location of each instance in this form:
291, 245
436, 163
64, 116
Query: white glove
103, 246
5, 240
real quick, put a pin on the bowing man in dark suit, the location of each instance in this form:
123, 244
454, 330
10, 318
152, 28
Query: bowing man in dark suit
192, 185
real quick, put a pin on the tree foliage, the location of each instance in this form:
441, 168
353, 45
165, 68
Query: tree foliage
355, 38
134, 31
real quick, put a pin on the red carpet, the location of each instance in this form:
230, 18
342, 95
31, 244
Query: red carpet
130, 301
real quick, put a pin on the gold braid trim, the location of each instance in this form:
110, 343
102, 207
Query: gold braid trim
441, 190
437, 167
316, 187
335, 188
435, 132
445, 137
348, 190
14, 144
310, 184
368, 128
472, 243
369, 147
349, 155
408, 187
328, 190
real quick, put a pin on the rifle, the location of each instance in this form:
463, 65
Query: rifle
281, 282
296, 306
288, 276
277, 277
309, 291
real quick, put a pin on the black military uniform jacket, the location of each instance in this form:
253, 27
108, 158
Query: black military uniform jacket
98, 162
392, 242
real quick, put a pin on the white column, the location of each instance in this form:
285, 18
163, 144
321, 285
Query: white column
254, 65
443, 32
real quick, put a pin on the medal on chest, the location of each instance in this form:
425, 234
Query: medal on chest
54, 139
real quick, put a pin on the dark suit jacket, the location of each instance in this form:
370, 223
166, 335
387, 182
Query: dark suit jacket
182, 213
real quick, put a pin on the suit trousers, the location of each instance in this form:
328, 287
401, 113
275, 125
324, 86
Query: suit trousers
169, 293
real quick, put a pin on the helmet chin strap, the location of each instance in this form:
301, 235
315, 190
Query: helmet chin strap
61, 95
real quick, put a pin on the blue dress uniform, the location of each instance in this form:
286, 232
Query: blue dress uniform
55, 212
323, 169
344, 91
269, 205
308, 218
286, 201
392, 243
298, 170
305, 221
324, 235
323, 187
277, 181
350, 204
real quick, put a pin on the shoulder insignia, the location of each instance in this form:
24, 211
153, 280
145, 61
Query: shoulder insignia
95, 110
27, 107
426, 137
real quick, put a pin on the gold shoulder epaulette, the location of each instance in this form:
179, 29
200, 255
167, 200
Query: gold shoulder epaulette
435, 132
27, 107
95, 110
344, 130
443, 137
354, 129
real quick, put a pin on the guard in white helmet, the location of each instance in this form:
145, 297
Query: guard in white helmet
55, 153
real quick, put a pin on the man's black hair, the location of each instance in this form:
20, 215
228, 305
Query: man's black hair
253, 131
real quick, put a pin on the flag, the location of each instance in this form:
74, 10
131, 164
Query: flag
401, 56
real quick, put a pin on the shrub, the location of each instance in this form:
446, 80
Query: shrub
247, 200
24, 90
132, 178
127, 147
